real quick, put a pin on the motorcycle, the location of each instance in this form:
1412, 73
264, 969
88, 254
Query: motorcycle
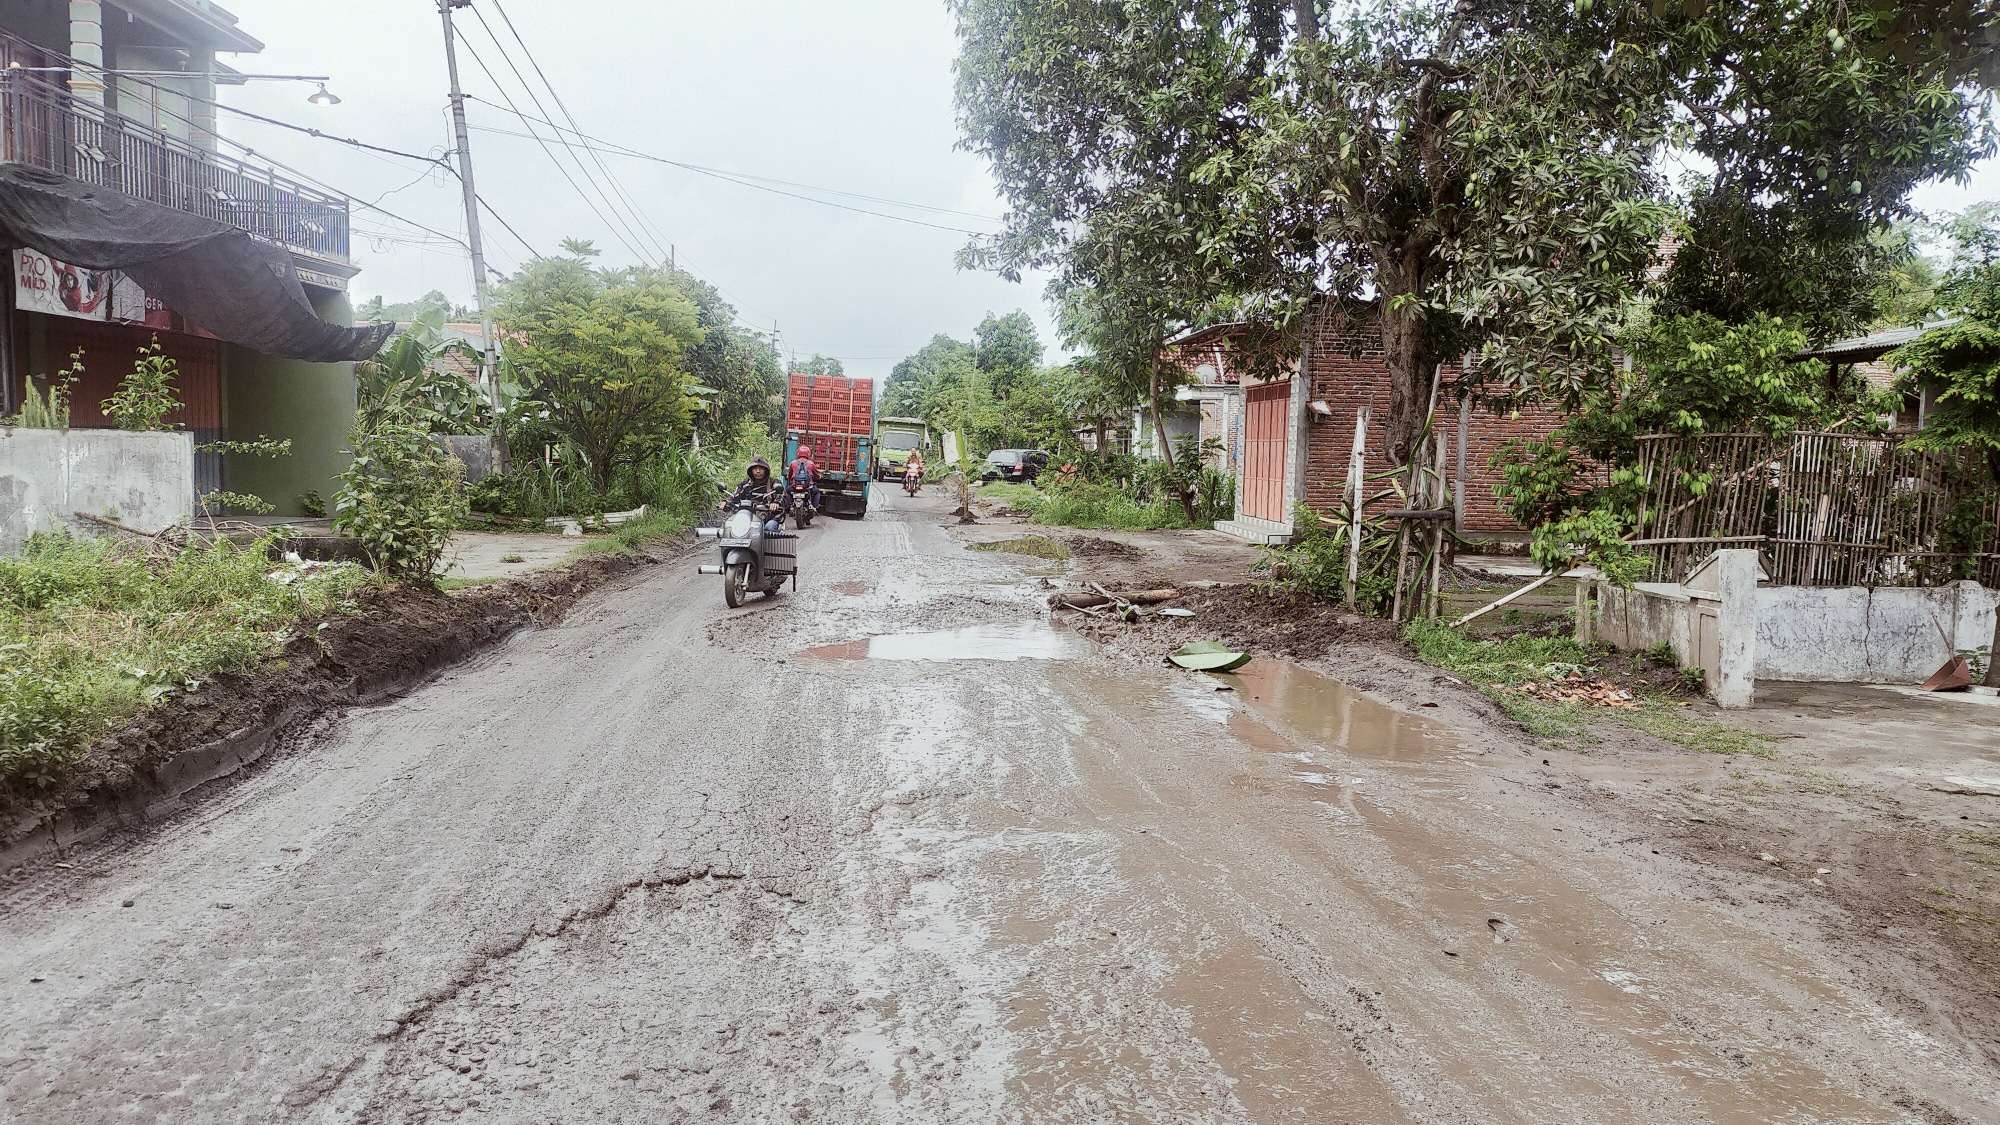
803, 510
913, 480
752, 558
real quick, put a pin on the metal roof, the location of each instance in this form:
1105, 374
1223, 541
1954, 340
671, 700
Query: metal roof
1857, 349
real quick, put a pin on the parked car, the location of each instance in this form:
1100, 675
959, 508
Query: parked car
1020, 466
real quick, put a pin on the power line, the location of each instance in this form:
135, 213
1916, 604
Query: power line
617, 149
549, 152
638, 215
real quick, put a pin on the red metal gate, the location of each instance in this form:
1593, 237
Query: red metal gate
1267, 413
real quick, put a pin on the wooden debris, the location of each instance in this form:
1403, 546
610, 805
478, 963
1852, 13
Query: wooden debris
1098, 596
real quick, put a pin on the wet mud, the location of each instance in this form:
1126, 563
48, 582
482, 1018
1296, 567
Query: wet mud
660, 862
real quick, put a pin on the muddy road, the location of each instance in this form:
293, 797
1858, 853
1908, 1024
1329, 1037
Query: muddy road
666, 862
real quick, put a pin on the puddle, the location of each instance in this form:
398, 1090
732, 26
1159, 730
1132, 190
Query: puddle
1325, 711
975, 642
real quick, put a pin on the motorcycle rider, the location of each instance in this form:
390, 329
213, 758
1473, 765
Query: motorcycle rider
804, 470
913, 471
768, 497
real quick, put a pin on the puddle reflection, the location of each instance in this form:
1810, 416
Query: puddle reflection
1323, 710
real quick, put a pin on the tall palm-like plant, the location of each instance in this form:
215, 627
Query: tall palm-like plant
403, 382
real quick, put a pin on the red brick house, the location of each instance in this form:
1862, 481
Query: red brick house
1296, 434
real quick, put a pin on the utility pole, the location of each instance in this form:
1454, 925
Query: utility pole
491, 360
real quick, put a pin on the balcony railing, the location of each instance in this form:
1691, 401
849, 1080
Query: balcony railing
45, 126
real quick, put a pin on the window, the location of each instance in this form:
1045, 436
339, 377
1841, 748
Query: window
900, 440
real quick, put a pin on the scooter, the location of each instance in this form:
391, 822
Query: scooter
752, 558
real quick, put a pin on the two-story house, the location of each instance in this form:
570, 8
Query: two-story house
125, 219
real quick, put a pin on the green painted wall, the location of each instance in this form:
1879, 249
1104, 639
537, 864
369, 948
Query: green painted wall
311, 403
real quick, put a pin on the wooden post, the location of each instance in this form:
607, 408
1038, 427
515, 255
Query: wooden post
1357, 465
1437, 534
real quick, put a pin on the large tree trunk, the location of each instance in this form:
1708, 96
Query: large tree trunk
1166, 447
1406, 351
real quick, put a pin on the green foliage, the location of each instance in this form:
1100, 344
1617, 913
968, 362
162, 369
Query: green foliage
401, 497
50, 410
217, 501
600, 360
820, 365
1960, 362
1492, 174
1315, 563
254, 447
1695, 374
1090, 504
406, 381
432, 306
311, 503
89, 636
1593, 536
146, 395
1006, 348
1517, 659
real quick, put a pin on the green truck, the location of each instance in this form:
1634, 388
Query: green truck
894, 439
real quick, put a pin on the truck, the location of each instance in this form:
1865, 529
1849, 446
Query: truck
894, 438
835, 415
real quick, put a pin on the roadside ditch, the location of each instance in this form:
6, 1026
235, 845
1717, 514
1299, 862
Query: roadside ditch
388, 642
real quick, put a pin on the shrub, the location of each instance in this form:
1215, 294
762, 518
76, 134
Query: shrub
49, 411
402, 497
88, 637
146, 395
1087, 504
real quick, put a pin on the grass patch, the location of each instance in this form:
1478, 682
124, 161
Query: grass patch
1040, 546
1671, 723
1498, 664
629, 538
89, 636
1089, 506
454, 582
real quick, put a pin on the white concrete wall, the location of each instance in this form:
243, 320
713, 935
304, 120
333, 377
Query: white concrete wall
144, 481
1852, 634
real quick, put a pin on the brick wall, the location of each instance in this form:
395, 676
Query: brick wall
1348, 372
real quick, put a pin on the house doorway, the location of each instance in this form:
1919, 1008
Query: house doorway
1267, 411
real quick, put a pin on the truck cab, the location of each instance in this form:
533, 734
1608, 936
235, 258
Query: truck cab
895, 438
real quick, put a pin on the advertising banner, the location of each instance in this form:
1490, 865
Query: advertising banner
44, 285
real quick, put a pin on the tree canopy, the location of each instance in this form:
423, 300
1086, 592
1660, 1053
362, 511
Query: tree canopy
1487, 174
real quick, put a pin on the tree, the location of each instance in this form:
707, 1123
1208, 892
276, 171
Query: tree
1481, 173
1006, 348
609, 370
433, 305
1959, 363
820, 365
909, 382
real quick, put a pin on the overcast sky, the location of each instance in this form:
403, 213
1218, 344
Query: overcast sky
854, 95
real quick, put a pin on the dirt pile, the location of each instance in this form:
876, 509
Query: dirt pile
1259, 621
1092, 547
388, 641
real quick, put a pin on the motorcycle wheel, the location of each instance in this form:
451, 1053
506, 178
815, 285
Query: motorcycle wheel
802, 520
736, 584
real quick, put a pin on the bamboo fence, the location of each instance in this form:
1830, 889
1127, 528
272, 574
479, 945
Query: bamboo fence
1825, 509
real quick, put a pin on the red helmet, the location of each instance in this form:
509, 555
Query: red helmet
805, 451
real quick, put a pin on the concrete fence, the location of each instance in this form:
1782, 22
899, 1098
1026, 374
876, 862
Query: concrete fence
1737, 630
143, 480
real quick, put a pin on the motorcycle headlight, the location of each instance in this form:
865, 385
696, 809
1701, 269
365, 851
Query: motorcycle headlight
739, 524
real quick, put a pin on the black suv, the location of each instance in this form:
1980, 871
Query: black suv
1017, 465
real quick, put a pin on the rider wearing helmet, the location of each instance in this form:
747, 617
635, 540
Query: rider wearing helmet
804, 470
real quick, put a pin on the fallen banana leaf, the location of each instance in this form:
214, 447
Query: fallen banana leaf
1208, 656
